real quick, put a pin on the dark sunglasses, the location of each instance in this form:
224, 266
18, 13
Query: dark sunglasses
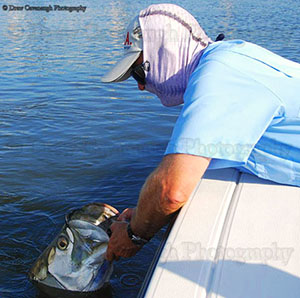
138, 73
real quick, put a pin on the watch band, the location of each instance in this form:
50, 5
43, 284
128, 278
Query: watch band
137, 240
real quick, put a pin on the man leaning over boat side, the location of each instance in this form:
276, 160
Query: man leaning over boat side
241, 109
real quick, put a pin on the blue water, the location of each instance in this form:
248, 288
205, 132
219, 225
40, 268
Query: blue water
66, 139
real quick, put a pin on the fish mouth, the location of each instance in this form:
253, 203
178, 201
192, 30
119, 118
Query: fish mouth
113, 209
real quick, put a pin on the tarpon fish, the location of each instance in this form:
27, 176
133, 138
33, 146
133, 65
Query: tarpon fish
75, 259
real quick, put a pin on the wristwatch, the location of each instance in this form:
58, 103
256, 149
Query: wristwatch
137, 240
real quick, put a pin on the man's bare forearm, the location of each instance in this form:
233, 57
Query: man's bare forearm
165, 191
150, 215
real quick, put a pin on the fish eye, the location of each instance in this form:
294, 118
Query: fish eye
62, 243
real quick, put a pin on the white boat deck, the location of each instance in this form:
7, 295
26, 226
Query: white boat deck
238, 236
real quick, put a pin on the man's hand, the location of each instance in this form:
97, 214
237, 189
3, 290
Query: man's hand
119, 244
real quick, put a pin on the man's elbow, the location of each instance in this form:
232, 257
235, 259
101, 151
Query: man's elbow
172, 200
175, 179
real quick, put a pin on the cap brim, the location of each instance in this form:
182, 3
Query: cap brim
122, 70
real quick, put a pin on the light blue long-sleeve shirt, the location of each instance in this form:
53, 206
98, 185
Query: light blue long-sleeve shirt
242, 109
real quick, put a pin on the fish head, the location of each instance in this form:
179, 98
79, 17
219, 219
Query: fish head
75, 259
